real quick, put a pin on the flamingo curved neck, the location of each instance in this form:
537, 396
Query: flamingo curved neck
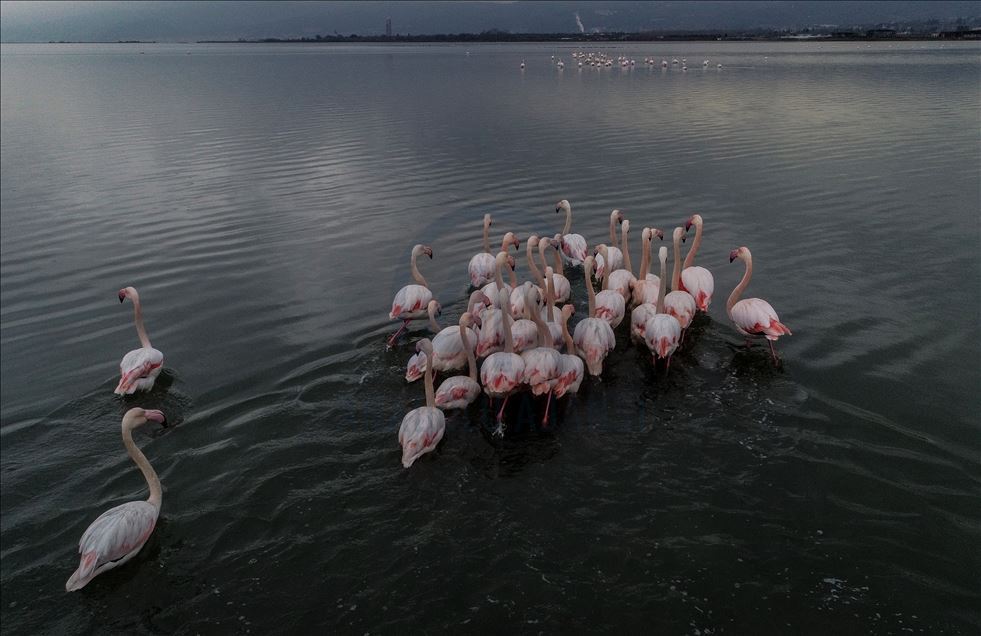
471, 359
430, 372
570, 346
613, 231
506, 321
592, 294
568, 221
487, 236
498, 278
152, 481
645, 259
690, 259
558, 261
625, 249
532, 265
606, 270
662, 286
415, 273
676, 272
738, 291
432, 322
138, 320
542, 245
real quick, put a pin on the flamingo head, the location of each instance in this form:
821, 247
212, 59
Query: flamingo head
510, 239
127, 292
657, 233
694, 219
416, 367
487, 221
662, 255
739, 252
617, 216
138, 417
563, 206
625, 226
532, 241
589, 264
679, 234
466, 320
567, 311
434, 308
511, 262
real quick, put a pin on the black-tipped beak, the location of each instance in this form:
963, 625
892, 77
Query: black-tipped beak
683, 238
687, 225
122, 297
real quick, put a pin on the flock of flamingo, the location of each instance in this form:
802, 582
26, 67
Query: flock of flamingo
601, 60
518, 331
523, 337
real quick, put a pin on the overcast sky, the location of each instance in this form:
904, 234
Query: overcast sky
22, 20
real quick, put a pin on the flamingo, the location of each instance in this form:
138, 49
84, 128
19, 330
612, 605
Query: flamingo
548, 308
616, 256
542, 363
610, 305
490, 339
662, 332
502, 372
422, 427
622, 280
560, 284
551, 314
572, 371
644, 289
593, 337
753, 316
647, 306
459, 391
119, 533
140, 367
696, 280
481, 267
677, 303
490, 289
573, 245
417, 363
519, 307
523, 331
412, 300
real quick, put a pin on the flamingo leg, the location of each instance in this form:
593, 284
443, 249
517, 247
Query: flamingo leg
776, 360
667, 367
548, 403
391, 341
683, 333
499, 431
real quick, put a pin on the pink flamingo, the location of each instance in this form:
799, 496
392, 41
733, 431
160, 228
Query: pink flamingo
753, 316
448, 349
552, 315
411, 301
646, 307
615, 255
459, 391
593, 337
542, 363
645, 288
481, 267
490, 338
422, 427
560, 284
696, 280
416, 365
677, 303
491, 289
623, 279
140, 367
610, 305
502, 372
119, 533
519, 306
572, 371
662, 331
573, 245
523, 331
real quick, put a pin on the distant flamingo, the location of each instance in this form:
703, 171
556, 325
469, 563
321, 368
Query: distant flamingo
616, 256
459, 391
572, 371
593, 338
662, 332
573, 245
753, 316
623, 279
422, 427
502, 372
696, 280
140, 367
119, 533
411, 301
678, 303
610, 305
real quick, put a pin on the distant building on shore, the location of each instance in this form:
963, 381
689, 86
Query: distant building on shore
388, 27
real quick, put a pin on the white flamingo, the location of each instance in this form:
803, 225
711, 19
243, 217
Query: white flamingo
139, 368
644, 289
481, 267
411, 301
416, 365
560, 284
678, 303
573, 245
502, 371
753, 316
459, 391
422, 427
119, 533
523, 331
593, 337
623, 279
662, 332
610, 305
615, 255
572, 371
696, 280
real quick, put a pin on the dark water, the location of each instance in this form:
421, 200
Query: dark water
264, 200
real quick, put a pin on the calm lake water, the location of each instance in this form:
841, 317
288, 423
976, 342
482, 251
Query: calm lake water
264, 201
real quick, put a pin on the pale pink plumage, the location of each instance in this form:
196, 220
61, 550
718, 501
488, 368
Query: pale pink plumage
422, 428
140, 367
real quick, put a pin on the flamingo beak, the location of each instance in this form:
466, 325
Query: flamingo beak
687, 225
122, 296
659, 234
155, 416
684, 237
733, 255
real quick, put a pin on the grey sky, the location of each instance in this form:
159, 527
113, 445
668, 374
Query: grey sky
24, 20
